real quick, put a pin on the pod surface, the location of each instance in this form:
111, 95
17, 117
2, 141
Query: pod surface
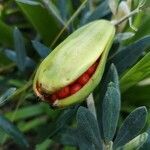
72, 58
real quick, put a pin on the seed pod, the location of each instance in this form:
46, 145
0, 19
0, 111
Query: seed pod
77, 63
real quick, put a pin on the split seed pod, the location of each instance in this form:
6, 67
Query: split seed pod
64, 78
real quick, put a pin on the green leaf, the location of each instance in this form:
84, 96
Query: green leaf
147, 143
136, 143
26, 126
138, 72
143, 21
44, 145
127, 56
28, 112
136, 95
42, 50
111, 110
20, 49
88, 127
6, 34
45, 23
10, 129
131, 126
5, 97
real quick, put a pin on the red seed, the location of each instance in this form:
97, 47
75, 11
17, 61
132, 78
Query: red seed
92, 69
74, 88
83, 79
64, 92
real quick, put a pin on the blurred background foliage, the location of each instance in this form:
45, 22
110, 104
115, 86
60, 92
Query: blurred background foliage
29, 31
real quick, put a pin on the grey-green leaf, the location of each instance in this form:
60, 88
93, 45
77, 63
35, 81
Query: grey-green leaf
42, 50
146, 145
88, 127
111, 110
131, 126
110, 76
13, 131
20, 49
73, 137
136, 143
7, 95
29, 2
101, 11
29, 63
63, 120
69, 137
127, 56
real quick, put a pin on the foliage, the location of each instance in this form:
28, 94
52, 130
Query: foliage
29, 31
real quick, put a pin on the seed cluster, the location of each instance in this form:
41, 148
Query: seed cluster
76, 85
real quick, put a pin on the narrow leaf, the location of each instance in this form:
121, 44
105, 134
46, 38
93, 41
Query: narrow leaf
42, 50
63, 120
29, 2
10, 129
63, 8
88, 127
52, 9
41, 19
28, 112
136, 143
111, 110
137, 73
110, 76
29, 63
20, 49
70, 137
73, 137
123, 36
101, 11
6, 34
127, 56
131, 126
147, 143
5, 97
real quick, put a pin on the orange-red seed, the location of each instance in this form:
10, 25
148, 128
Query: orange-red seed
92, 69
83, 79
64, 92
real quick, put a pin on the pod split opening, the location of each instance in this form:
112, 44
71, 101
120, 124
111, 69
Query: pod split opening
75, 67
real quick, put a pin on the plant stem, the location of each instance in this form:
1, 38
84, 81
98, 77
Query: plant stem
108, 146
91, 105
69, 21
117, 22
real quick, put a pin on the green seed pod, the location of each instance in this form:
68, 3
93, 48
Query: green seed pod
69, 60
